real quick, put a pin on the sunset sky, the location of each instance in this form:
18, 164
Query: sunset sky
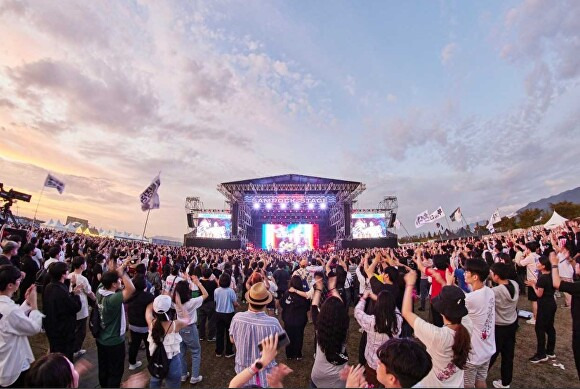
442, 103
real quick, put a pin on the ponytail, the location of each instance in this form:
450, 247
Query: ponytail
157, 331
461, 346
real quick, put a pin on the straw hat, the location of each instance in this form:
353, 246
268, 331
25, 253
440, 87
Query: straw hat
258, 294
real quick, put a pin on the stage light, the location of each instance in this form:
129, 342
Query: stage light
310, 205
323, 206
296, 206
256, 205
283, 206
269, 206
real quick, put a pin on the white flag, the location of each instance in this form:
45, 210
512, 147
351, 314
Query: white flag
52, 182
438, 214
397, 224
490, 228
149, 198
456, 215
420, 219
495, 217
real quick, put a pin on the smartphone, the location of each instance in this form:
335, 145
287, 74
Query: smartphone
283, 341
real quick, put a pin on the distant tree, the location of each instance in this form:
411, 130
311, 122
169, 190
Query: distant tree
567, 209
530, 217
506, 224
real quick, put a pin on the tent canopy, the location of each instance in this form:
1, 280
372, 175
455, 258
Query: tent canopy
555, 221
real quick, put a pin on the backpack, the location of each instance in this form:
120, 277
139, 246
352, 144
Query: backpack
95, 325
158, 364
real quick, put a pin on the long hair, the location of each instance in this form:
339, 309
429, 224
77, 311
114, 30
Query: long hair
386, 314
461, 344
332, 325
158, 332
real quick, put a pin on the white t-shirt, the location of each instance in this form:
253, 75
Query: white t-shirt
82, 281
481, 310
439, 342
49, 262
565, 268
191, 306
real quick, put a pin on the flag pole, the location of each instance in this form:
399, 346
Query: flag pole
409, 235
37, 204
145, 227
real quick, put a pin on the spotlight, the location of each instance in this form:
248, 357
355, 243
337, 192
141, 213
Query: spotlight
310, 205
296, 206
283, 206
256, 205
269, 206
323, 206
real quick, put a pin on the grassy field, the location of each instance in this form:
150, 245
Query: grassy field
218, 371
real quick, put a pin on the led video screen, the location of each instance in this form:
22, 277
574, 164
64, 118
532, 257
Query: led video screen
368, 225
290, 238
217, 226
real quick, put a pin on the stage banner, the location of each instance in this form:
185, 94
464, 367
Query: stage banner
420, 219
53, 182
456, 215
149, 198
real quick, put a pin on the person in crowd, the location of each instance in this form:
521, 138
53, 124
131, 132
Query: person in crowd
53, 370
331, 339
506, 321
529, 260
60, 306
437, 274
207, 310
294, 314
425, 285
544, 290
79, 265
154, 278
269, 352
30, 266
480, 305
449, 345
573, 288
172, 279
97, 271
138, 329
565, 264
17, 323
111, 340
248, 328
164, 332
53, 256
402, 363
9, 250
189, 334
385, 323
225, 306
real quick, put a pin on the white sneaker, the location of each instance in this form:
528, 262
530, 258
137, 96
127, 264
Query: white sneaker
498, 384
79, 353
532, 321
195, 380
184, 377
135, 366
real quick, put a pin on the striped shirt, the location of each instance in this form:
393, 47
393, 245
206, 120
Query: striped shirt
224, 300
248, 329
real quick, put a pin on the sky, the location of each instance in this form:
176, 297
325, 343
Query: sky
441, 103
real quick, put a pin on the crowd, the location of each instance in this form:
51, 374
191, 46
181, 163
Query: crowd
256, 304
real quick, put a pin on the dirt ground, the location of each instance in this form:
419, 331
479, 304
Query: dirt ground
217, 372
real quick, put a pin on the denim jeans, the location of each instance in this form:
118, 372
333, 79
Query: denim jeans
424, 291
190, 341
173, 379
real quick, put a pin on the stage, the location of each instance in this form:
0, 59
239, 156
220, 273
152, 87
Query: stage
291, 213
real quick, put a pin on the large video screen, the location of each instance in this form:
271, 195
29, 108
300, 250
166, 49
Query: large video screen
290, 238
368, 225
210, 225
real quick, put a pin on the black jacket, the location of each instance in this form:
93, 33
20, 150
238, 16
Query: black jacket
60, 308
136, 307
294, 309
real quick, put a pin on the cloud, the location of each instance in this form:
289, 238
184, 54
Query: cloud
391, 98
448, 52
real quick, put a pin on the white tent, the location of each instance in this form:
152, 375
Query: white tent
49, 224
555, 221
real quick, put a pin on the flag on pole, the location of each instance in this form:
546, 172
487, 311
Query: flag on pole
421, 219
436, 215
495, 217
149, 198
490, 227
456, 215
53, 182
397, 224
